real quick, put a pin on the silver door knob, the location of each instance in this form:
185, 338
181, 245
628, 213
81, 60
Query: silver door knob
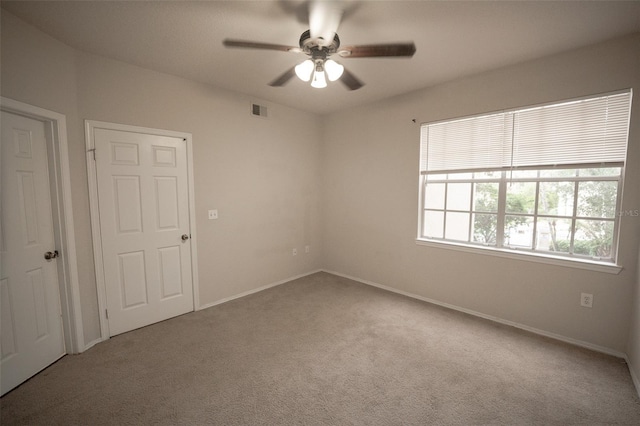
185, 237
51, 255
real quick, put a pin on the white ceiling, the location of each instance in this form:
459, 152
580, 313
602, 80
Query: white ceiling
453, 39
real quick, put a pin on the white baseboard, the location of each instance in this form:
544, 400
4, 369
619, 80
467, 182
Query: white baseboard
255, 290
587, 345
93, 343
218, 302
636, 381
555, 336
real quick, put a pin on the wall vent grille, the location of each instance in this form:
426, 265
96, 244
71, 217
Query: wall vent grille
258, 110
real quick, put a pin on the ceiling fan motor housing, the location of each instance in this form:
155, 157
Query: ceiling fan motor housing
316, 50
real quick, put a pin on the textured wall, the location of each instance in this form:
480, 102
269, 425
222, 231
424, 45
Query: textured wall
41, 71
345, 184
371, 198
263, 175
633, 347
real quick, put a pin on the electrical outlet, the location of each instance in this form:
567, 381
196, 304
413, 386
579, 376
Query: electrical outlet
307, 249
295, 252
213, 214
586, 300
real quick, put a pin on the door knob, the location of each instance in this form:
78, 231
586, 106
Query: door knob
51, 255
185, 237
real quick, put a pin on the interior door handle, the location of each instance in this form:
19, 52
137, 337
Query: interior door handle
51, 255
185, 237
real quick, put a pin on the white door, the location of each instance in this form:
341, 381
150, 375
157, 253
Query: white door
144, 225
30, 318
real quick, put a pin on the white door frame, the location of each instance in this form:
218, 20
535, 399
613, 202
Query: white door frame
90, 126
55, 125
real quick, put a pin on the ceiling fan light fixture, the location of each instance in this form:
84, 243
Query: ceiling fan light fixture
304, 70
319, 81
334, 70
321, 41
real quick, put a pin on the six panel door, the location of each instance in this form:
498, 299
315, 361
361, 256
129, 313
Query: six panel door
30, 317
144, 225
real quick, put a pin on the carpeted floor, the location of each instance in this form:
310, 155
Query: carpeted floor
324, 350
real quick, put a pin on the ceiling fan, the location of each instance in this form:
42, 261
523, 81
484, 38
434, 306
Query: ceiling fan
319, 43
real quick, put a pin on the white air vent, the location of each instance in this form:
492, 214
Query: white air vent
259, 110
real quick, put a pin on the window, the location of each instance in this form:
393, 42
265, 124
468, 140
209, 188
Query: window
539, 180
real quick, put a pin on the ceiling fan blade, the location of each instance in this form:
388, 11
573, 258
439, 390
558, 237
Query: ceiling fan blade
378, 50
283, 78
350, 80
324, 20
257, 45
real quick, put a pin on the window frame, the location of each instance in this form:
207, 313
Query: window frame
501, 212
530, 253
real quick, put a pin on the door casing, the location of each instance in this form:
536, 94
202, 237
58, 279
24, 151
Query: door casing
90, 126
63, 226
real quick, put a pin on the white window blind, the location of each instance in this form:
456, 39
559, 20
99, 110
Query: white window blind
468, 143
586, 131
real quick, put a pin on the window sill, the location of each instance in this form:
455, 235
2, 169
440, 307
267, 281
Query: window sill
591, 265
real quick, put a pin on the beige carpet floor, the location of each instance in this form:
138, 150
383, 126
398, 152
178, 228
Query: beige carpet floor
324, 350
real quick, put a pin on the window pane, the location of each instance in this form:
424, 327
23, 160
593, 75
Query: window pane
457, 226
521, 197
600, 171
556, 198
433, 224
434, 196
553, 234
459, 196
484, 228
593, 238
597, 199
518, 231
485, 197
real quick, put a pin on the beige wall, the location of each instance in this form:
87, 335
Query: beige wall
370, 158
633, 347
40, 71
263, 175
346, 184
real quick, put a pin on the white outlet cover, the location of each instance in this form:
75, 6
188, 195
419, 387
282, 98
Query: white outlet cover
213, 214
586, 300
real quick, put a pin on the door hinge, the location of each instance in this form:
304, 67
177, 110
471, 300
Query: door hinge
106, 313
94, 153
